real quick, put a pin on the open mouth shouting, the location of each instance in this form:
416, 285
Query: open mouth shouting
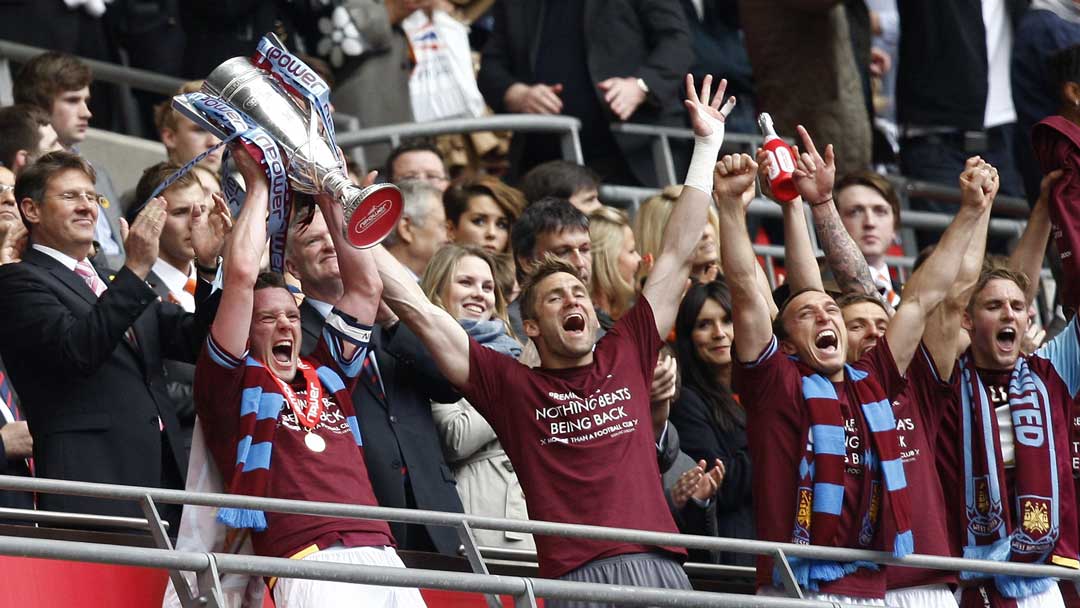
574, 323
283, 352
1006, 339
827, 341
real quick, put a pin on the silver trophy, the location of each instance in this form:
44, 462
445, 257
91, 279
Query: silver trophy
313, 164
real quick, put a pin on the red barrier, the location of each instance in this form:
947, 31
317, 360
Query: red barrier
45, 583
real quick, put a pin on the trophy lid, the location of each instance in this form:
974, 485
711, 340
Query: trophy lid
372, 215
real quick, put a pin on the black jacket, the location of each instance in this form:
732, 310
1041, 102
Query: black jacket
94, 402
647, 39
398, 430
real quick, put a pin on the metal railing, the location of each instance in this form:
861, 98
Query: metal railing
525, 589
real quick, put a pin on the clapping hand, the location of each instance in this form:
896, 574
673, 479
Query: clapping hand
698, 483
209, 229
142, 238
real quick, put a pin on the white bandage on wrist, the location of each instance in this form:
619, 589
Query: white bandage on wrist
706, 149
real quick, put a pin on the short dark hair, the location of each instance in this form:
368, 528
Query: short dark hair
778, 323
557, 178
152, 178
877, 183
48, 75
849, 299
543, 269
20, 129
1064, 65
546, 215
33, 181
412, 145
268, 279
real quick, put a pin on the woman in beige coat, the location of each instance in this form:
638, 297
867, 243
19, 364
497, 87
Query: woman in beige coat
461, 280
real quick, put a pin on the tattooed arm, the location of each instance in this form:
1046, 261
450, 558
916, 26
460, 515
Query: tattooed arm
814, 181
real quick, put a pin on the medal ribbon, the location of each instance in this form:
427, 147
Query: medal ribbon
314, 396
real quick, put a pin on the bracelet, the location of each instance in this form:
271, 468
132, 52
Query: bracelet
207, 269
824, 202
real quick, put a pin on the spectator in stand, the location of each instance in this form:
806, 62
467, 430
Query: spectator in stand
563, 179
25, 135
870, 211
481, 212
709, 418
603, 63
461, 281
825, 94
16, 444
392, 400
422, 227
174, 275
800, 360
183, 139
417, 161
1048, 27
60, 85
210, 181
311, 447
615, 265
953, 95
548, 424
649, 224
86, 355
718, 49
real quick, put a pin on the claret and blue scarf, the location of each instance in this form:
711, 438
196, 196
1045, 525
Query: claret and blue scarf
820, 499
1026, 525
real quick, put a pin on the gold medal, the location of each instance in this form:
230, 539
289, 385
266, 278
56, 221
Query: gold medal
314, 442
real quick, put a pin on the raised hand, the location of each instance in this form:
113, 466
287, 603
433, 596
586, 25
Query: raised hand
250, 169
706, 115
814, 176
978, 183
209, 229
142, 238
734, 180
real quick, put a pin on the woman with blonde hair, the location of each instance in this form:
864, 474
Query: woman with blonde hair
615, 262
649, 225
461, 280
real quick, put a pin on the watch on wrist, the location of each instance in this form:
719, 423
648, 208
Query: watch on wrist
641, 85
208, 269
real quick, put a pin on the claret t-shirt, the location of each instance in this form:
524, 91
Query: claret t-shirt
581, 439
770, 390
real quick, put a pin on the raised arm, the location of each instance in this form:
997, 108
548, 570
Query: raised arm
240, 267
441, 334
666, 282
733, 188
799, 260
1031, 249
930, 284
814, 179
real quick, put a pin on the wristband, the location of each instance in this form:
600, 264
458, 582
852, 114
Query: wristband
207, 269
825, 201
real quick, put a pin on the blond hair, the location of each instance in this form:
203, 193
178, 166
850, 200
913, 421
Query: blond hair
651, 221
607, 234
442, 266
165, 117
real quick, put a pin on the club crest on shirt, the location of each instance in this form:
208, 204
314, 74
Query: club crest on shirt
986, 517
1038, 530
869, 524
803, 514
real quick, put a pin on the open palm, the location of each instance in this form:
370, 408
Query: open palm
706, 115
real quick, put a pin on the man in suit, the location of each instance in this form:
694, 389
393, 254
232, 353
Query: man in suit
86, 356
601, 61
421, 231
392, 400
60, 85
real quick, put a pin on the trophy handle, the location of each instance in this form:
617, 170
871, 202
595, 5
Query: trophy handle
371, 213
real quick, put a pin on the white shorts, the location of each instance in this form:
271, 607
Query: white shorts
823, 597
302, 593
926, 596
1051, 598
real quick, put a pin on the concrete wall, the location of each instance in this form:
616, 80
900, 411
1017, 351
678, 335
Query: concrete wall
123, 156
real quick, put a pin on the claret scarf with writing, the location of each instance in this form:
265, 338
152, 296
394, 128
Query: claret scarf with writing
260, 405
820, 498
1024, 525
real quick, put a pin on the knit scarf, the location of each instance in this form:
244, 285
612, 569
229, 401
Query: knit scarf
1023, 526
492, 334
260, 405
820, 499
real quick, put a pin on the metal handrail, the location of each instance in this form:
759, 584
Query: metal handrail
417, 516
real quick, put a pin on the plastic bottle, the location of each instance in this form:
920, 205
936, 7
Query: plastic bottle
782, 158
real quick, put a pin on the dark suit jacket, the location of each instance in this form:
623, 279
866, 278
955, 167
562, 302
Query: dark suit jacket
93, 401
646, 39
179, 378
398, 431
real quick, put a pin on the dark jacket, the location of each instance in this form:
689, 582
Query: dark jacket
647, 39
398, 429
702, 439
179, 377
94, 401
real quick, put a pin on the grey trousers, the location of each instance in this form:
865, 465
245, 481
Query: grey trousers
631, 569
